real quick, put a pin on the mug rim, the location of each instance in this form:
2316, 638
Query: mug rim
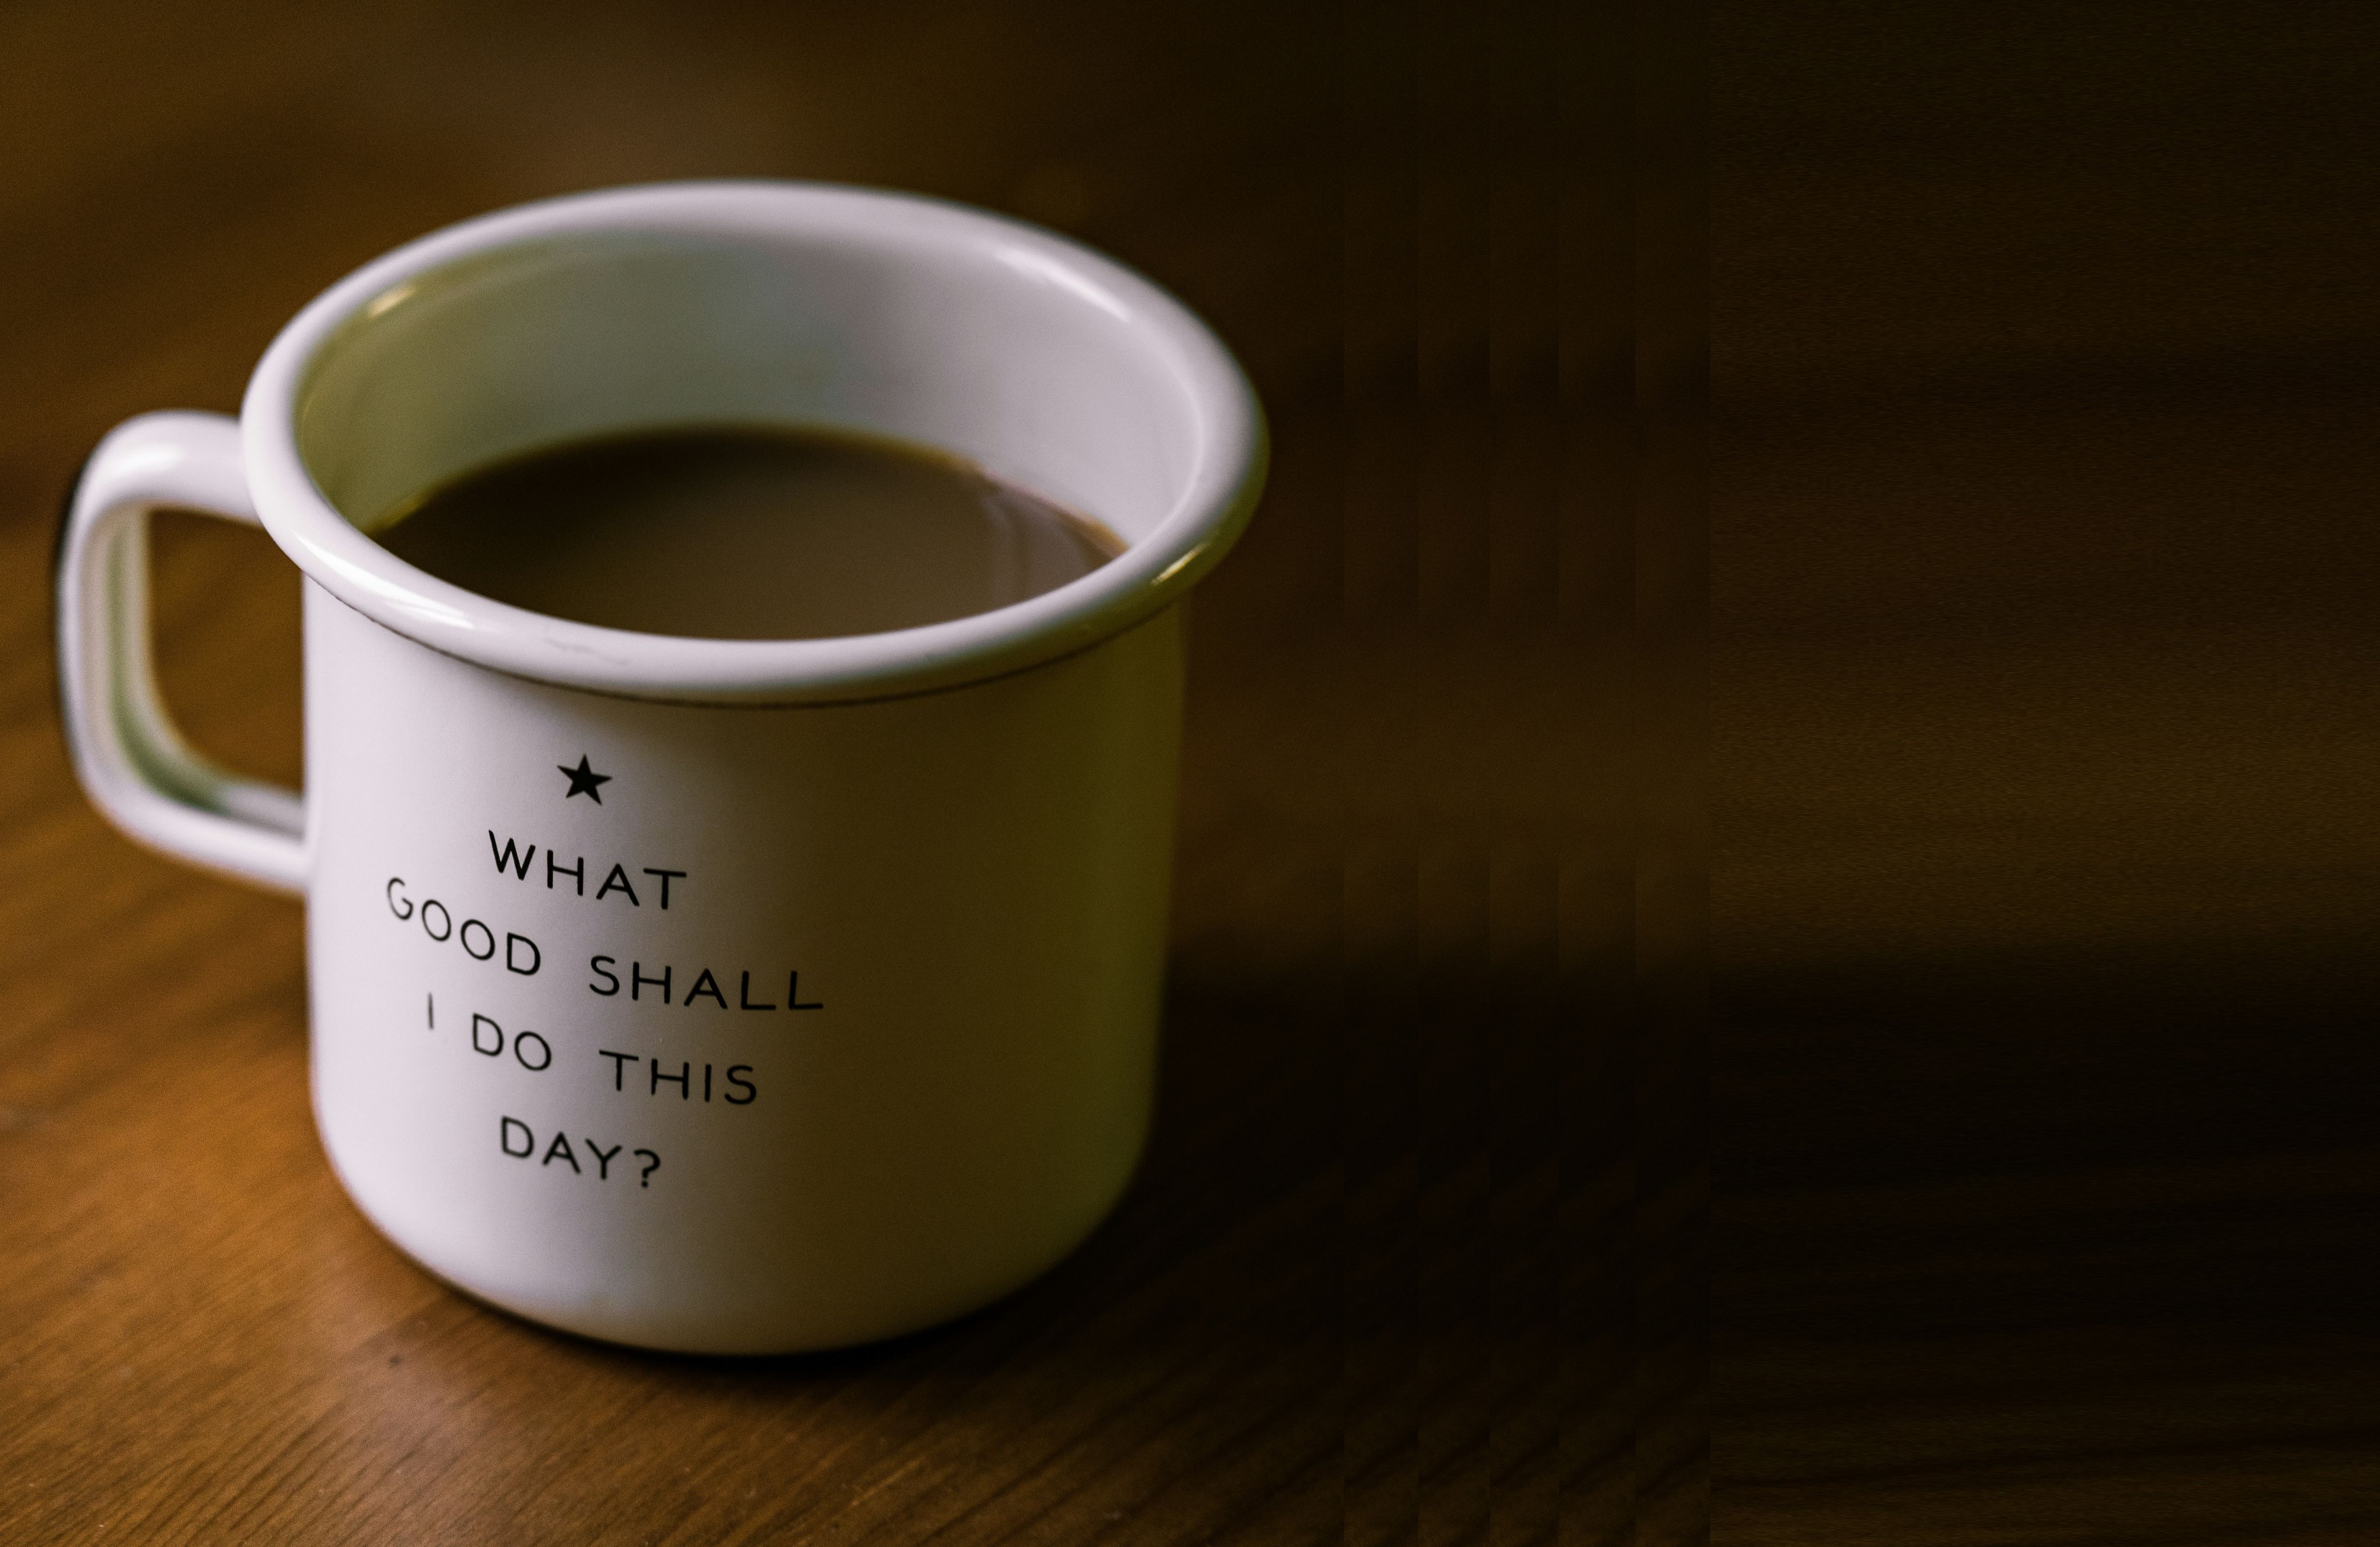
1217, 498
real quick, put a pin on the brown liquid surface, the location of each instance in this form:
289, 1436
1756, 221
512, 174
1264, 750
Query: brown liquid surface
746, 534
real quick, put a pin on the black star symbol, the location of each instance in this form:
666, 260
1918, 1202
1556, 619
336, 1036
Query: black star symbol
584, 779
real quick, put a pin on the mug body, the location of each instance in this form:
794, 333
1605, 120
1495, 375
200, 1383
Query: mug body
776, 1027
733, 995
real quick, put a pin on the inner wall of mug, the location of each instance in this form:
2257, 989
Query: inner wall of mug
995, 351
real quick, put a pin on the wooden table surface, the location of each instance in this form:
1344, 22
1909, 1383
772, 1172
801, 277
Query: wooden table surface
2049, 357
1412, 1256
2044, 690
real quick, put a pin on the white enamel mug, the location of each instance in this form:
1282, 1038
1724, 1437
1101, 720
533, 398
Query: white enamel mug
716, 995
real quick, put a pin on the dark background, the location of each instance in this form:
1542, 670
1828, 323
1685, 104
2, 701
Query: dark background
2047, 368
1414, 1253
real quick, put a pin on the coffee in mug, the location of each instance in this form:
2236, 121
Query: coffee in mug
744, 533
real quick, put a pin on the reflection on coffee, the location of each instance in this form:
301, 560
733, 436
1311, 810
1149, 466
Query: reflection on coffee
744, 534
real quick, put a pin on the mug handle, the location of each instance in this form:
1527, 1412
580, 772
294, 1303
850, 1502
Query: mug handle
132, 761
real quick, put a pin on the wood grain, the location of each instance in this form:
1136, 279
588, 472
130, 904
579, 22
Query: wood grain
1385, 1275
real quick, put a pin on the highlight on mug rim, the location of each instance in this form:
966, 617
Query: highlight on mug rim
993, 288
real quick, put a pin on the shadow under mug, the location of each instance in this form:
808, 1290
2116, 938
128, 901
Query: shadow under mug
831, 1011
